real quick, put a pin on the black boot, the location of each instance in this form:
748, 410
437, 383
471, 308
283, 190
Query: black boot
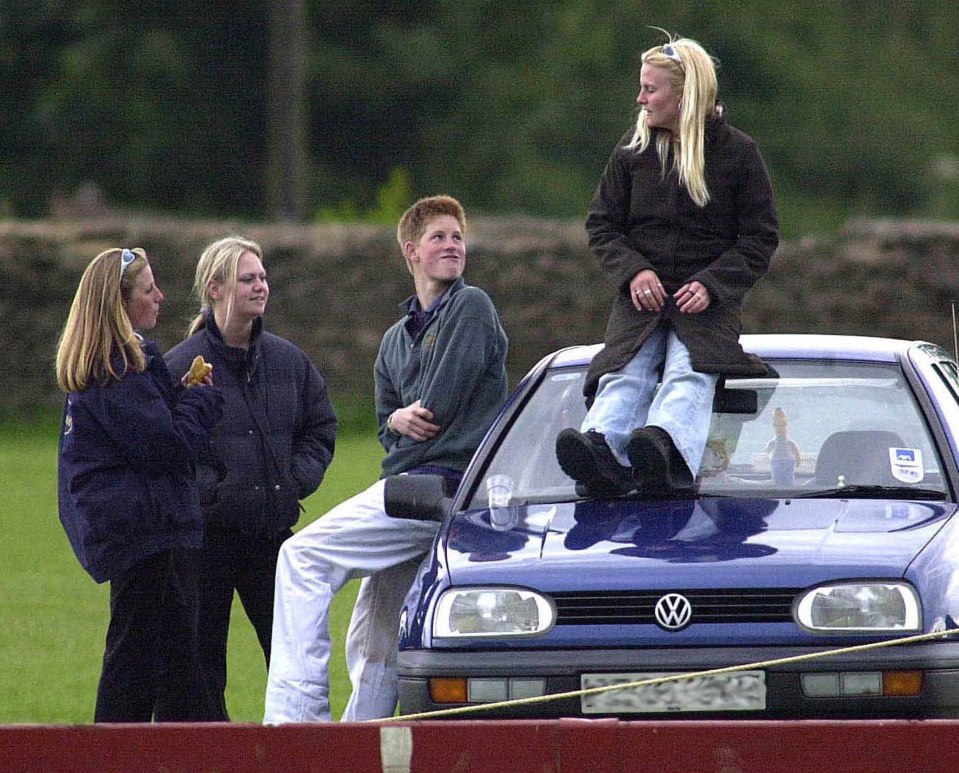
658, 467
587, 459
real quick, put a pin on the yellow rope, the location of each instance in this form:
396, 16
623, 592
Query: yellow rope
670, 678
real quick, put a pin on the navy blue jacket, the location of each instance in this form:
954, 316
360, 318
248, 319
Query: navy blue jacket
277, 435
125, 477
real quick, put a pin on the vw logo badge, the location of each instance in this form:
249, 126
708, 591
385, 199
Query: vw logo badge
673, 612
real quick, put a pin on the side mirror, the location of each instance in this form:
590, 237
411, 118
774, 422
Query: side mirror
418, 497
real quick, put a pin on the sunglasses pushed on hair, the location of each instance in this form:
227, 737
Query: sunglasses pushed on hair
671, 52
126, 258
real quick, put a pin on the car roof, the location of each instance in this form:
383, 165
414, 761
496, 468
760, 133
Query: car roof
777, 345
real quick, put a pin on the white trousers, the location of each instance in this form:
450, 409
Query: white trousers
355, 539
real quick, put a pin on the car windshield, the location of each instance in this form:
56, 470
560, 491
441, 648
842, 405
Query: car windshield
819, 428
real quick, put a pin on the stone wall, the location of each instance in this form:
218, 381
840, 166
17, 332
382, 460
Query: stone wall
335, 288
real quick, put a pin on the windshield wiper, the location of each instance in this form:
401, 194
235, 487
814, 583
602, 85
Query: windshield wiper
583, 495
866, 491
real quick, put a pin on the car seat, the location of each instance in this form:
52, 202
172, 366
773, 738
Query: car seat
859, 456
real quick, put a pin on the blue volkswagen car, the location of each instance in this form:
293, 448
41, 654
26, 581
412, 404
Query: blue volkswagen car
823, 518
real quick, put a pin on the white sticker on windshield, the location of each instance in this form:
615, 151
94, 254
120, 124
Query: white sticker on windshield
906, 464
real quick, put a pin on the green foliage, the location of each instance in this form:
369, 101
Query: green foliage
512, 107
160, 109
391, 201
55, 617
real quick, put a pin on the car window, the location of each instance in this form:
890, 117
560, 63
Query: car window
822, 425
818, 425
947, 371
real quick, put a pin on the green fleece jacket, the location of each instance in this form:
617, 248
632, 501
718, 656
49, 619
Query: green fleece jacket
455, 367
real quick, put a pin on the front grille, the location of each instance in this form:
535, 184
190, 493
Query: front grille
709, 606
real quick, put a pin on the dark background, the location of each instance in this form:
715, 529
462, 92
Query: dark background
310, 125
340, 110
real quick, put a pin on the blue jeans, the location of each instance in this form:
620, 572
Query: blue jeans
627, 399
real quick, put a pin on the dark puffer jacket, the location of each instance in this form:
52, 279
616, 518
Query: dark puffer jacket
640, 220
125, 477
277, 435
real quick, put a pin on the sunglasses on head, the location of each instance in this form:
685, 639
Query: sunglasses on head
672, 52
126, 258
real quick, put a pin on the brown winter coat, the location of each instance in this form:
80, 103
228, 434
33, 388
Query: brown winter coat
639, 220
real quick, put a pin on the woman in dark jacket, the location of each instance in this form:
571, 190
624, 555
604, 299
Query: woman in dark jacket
683, 223
127, 494
271, 449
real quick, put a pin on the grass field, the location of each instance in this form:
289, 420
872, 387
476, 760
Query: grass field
53, 617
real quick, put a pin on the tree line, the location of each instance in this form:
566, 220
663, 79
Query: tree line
337, 109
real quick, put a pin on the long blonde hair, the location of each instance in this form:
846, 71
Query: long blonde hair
98, 325
693, 77
219, 262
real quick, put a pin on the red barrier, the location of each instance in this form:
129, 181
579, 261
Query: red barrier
563, 746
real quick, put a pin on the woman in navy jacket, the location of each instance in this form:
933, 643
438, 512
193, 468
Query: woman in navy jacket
270, 450
127, 496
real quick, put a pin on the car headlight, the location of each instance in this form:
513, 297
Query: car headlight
862, 606
492, 612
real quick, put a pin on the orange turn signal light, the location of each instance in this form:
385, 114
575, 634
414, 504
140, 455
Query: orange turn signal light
902, 683
448, 690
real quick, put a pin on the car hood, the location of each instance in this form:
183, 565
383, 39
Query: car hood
705, 543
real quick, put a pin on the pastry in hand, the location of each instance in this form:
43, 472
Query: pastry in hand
199, 370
